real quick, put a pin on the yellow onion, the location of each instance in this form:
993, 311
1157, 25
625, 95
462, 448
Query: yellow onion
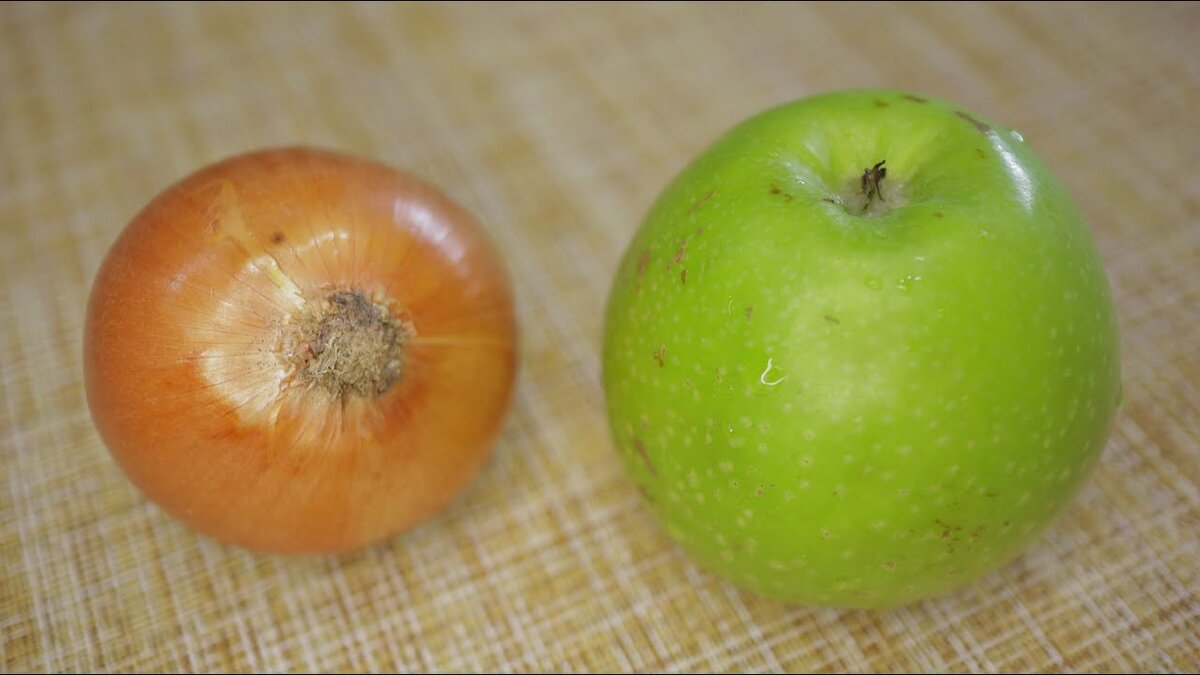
295, 350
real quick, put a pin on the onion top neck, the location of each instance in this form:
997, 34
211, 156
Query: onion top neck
346, 343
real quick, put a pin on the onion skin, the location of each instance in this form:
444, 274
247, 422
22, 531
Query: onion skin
188, 388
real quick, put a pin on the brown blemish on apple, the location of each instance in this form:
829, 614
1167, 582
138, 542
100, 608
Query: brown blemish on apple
938, 214
914, 99
749, 313
832, 319
780, 193
683, 277
945, 534
889, 564
981, 153
980, 126
641, 451
643, 264
681, 251
660, 356
948, 531
277, 238
700, 202
880, 103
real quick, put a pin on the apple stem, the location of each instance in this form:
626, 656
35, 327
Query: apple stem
872, 184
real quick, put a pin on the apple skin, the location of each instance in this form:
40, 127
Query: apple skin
831, 407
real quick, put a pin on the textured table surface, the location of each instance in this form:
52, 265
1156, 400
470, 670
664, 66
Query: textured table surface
557, 125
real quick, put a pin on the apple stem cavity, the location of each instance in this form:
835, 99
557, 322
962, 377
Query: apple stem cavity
868, 200
872, 183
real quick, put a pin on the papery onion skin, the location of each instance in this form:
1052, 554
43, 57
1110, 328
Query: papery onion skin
188, 388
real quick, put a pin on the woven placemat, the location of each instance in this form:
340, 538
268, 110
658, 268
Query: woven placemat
557, 125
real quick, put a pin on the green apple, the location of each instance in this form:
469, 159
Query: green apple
861, 352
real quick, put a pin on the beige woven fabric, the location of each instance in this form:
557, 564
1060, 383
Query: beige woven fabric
557, 125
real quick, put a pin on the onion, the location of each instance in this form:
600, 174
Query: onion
298, 351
